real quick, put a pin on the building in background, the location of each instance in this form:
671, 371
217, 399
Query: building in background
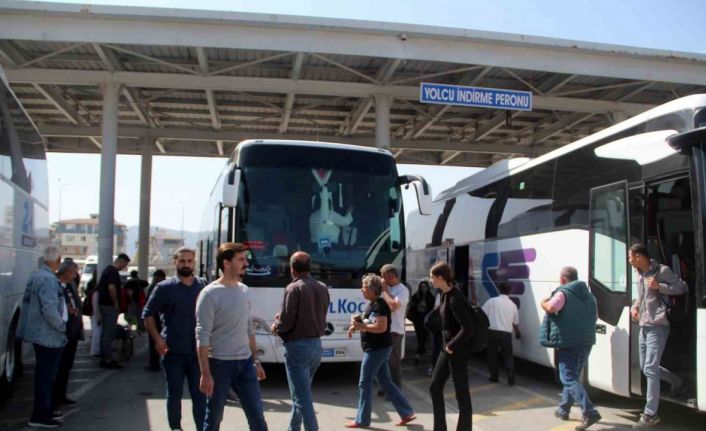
78, 238
162, 248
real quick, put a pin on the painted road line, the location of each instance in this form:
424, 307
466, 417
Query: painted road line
507, 408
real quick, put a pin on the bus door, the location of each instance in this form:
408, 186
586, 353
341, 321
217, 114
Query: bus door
609, 362
669, 229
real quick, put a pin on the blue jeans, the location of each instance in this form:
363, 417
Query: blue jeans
45, 371
374, 365
241, 376
653, 339
176, 369
571, 361
301, 358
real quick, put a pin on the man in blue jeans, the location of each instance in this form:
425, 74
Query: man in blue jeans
173, 301
573, 327
655, 283
43, 323
226, 342
300, 323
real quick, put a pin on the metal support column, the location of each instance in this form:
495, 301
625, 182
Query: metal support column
145, 199
382, 121
109, 150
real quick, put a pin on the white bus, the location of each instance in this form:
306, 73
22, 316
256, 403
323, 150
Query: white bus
340, 203
24, 221
521, 221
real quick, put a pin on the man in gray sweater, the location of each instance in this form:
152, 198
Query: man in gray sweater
226, 342
655, 282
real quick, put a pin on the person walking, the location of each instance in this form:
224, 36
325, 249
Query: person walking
154, 358
655, 282
457, 329
396, 295
74, 331
43, 323
504, 317
135, 288
420, 303
225, 338
92, 299
174, 302
109, 286
374, 326
573, 333
301, 323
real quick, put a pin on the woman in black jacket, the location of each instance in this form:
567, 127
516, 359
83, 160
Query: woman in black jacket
457, 331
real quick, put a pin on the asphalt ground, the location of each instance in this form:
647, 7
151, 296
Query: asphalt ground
133, 399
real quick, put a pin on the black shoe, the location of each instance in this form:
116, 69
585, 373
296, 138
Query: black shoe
111, 365
587, 421
68, 402
57, 415
511, 380
381, 393
493, 379
561, 415
43, 423
646, 421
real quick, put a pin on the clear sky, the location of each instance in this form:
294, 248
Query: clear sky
676, 25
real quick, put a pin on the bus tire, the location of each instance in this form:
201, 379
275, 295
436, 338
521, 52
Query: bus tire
13, 357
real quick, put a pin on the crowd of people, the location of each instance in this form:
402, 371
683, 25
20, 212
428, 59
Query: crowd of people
204, 335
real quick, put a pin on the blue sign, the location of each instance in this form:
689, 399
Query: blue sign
475, 96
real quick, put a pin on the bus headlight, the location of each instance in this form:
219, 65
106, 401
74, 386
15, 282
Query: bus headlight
261, 327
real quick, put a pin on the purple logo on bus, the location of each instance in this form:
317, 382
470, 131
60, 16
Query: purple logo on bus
510, 266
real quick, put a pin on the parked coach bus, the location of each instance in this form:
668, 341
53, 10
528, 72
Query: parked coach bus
340, 203
24, 221
642, 180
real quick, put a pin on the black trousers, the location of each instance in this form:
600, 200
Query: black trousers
500, 342
62, 377
455, 365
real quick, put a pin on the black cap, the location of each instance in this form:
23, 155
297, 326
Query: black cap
159, 273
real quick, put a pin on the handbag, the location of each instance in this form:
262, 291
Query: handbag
432, 321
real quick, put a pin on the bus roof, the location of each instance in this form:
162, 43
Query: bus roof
313, 144
500, 169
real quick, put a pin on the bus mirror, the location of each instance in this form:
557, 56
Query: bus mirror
231, 185
423, 190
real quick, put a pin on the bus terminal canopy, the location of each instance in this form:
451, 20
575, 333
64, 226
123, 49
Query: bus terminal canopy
197, 82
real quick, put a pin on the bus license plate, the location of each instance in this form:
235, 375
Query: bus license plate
337, 352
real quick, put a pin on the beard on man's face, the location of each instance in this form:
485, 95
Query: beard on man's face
185, 271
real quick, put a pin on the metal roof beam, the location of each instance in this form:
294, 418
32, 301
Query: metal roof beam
358, 113
289, 102
167, 27
280, 85
191, 134
210, 96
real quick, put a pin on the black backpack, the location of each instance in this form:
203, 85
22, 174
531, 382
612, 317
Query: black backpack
677, 307
481, 323
480, 328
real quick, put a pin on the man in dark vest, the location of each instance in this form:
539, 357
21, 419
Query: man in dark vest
574, 326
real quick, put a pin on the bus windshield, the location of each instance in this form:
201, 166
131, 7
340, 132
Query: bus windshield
343, 207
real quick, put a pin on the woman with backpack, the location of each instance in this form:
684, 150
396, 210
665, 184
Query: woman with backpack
457, 330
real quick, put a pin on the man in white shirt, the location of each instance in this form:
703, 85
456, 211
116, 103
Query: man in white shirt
504, 317
396, 295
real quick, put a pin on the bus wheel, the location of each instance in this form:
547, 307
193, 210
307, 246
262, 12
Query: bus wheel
13, 349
